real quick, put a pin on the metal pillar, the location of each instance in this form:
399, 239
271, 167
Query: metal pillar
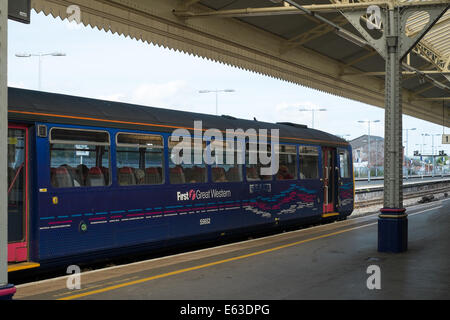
393, 46
368, 160
432, 154
376, 158
6, 290
393, 222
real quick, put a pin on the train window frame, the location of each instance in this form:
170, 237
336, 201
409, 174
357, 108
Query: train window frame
346, 154
237, 152
319, 150
269, 149
205, 167
137, 134
56, 141
295, 153
74, 143
131, 145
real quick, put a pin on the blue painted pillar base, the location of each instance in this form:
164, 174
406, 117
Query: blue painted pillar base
393, 230
7, 292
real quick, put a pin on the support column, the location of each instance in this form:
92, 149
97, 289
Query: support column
6, 290
393, 222
393, 45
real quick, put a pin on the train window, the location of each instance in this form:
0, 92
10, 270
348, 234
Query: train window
226, 167
79, 158
140, 159
253, 163
309, 162
287, 156
187, 168
79, 136
344, 164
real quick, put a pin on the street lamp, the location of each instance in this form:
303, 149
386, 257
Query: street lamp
360, 157
411, 129
423, 144
368, 122
376, 158
432, 151
423, 141
40, 55
422, 165
217, 96
313, 111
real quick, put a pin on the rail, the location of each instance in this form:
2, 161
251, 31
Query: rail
407, 178
366, 196
366, 188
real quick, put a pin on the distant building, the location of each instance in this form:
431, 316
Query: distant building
361, 150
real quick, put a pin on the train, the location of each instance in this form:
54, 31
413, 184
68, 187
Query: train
91, 179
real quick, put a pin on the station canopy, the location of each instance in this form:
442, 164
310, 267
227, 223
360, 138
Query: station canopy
275, 38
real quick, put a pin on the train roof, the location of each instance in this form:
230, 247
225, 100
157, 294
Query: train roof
37, 106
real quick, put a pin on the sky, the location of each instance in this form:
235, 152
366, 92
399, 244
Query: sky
107, 66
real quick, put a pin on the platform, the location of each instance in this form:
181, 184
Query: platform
322, 262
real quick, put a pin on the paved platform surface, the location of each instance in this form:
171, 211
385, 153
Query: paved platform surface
380, 183
322, 262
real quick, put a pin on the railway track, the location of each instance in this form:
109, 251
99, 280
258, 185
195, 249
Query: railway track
407, 196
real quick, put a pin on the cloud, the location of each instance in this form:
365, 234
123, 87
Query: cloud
161, 94
116, 97
290, 112
17, 84
171, 95
73, 26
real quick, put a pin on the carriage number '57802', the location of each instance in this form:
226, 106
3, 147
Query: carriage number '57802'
205, 221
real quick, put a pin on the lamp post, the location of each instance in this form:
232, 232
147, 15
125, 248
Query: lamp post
438, 148
313, 111
421, 159
217, 96
376, 158
411, 129
432, 152
423, 144
40, 55
423, 140
362, 142
368, 123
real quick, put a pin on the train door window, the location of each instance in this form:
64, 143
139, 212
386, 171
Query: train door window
79, 158
187, 168
140, 159
344, 163
309, 162
16, 184
226, 166
253, 163
287, 162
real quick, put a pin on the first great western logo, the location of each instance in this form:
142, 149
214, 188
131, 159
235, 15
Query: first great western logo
200, 195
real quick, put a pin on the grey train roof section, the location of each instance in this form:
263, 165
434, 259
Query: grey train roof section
38, 106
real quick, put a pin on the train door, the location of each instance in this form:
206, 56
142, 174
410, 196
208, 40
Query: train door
345, 179
17, 193
329, 179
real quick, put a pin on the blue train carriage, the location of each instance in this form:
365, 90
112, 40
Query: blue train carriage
90, 179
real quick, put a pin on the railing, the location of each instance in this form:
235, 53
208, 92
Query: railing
407, 178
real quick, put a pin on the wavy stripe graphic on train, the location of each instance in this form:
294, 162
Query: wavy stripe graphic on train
91, 179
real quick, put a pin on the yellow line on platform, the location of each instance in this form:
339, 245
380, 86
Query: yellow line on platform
159, 276
23, 266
